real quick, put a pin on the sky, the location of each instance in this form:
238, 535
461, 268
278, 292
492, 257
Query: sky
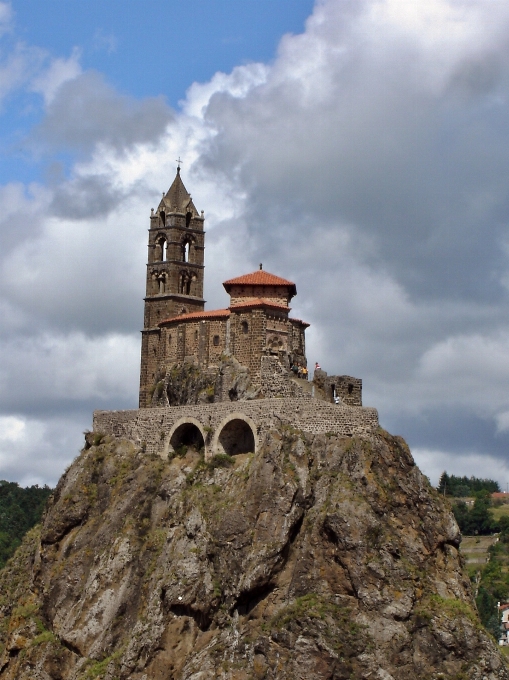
357, 147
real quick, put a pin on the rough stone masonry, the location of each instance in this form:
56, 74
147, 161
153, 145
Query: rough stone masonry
239, 371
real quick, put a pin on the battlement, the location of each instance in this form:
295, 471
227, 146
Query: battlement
231, 428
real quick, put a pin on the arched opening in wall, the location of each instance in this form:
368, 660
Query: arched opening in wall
236, 437
186, 249
245, 327
162, 215
187, 434
161, 249
188, 219
215, 341
350, 388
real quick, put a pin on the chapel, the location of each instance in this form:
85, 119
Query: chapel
256, 331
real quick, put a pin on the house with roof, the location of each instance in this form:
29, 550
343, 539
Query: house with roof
503, 610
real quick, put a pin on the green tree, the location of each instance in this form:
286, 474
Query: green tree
20, 509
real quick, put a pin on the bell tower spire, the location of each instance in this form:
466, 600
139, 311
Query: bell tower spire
175, 269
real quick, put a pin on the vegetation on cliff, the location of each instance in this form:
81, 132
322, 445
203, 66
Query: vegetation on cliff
318, 557
20, 509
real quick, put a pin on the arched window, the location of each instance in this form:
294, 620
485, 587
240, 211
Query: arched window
216, 340
245, 327
186, 251
162, 215
188, 219
162, 246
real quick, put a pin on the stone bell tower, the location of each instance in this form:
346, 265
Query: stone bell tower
175, 269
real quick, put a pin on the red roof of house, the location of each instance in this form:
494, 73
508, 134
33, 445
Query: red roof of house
500, 494
198, 316
225, 313
260, 278
259, 302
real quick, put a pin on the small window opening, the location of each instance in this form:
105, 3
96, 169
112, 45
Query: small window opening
188, 287
186, 249
245, 327
216, 340
155, 351
169, 339
162, 215
162, 244
196, 335
350, 388
188, 218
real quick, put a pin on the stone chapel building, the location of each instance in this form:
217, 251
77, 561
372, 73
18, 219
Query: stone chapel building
177, 328
219, 380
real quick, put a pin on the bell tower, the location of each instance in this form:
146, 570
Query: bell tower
175, 269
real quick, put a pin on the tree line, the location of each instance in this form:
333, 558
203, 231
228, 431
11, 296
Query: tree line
458, 487
20, 509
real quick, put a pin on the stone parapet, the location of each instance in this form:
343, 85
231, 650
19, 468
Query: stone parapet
156, 429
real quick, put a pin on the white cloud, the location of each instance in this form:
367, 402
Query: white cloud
38, 450
5, 17
58, 72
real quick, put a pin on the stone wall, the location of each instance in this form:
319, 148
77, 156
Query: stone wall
152, 428
347, 388
276, 380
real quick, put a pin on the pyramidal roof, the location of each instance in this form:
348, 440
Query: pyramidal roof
178, 199
260, 278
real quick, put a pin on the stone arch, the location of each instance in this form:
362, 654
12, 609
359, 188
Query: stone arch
186, 431
235, 434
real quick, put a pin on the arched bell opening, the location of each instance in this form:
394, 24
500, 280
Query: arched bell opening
236, 437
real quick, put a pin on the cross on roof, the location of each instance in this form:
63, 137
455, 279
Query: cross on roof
180, 162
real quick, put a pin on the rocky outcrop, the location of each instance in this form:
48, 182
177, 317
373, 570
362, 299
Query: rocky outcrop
320, 557
187, 384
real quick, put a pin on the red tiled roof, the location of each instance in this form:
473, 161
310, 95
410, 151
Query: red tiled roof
500, 494
260, 278
198, 316
304, 323
259, 302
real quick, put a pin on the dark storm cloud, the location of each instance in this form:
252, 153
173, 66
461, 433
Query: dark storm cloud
86, 111
450, 429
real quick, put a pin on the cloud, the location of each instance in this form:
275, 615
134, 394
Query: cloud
56, 74
434, 462
106, 42
86, 111
37, 451
5, 17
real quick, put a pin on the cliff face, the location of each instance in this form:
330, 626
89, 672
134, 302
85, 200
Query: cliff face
320, 557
